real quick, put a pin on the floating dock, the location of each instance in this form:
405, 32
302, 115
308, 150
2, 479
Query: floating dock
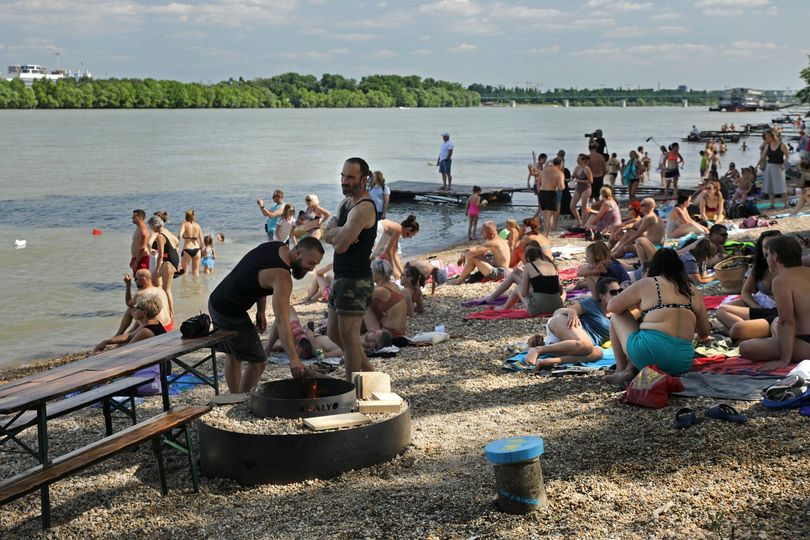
406, 191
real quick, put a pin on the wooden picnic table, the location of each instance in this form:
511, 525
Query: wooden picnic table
33, 392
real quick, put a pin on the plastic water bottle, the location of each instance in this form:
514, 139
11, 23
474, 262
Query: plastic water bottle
439, 328
319, 355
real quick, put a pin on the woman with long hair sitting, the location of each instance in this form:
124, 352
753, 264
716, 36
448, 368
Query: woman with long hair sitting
672, 311
750, 316
600, 264
540, 288
679, 222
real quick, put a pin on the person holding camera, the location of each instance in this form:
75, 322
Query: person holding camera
597, 139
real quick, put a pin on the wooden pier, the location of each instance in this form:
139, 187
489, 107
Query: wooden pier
431, 192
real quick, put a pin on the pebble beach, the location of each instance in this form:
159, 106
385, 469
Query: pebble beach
611, 471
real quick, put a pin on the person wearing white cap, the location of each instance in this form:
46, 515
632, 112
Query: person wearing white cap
445, 160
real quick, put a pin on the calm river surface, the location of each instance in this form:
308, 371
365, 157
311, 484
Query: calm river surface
64, 173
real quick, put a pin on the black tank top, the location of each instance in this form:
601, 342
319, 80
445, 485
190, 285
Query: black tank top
240, 289
169, 253
545, 284
776, 156
355, 262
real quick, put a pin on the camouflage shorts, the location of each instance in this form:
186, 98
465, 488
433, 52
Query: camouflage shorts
351, 296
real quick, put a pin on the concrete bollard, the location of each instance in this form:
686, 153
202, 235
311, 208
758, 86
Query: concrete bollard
518, 475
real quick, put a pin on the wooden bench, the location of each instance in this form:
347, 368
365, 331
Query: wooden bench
104, 394
157, 429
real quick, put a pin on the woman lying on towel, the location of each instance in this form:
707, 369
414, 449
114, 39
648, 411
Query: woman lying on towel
576, 333
540, 288
672, 311
750, 316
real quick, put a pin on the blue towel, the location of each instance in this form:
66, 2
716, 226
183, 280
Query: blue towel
608, 360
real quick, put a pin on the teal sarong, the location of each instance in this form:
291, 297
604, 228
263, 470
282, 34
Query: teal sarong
651, 347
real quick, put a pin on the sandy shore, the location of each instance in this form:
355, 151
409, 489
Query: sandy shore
611, 470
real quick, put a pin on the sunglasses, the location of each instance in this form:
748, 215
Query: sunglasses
614, 292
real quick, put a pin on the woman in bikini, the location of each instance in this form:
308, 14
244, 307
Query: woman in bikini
584, 178
540, 288
672, 311
530, 231
750, 316
167, 260
310, 221
680, 223
386, 244
608, 214
712, 204
191, 233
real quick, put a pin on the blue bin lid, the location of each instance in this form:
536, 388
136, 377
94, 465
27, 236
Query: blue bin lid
514, 450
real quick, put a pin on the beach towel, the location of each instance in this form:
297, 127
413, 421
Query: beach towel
567, 252
515, 363
453, 270
572, 235
573, 294
568, 274
725, 386
490, 314
713, 302
735, 365
479, 302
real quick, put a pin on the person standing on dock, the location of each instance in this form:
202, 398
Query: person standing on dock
445, 161
352, 235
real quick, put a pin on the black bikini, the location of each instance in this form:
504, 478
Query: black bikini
545, 284
192, 252
661, 305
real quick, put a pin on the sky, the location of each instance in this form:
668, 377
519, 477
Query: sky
704, 44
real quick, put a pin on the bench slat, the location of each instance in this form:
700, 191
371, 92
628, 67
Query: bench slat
67, 406
42, 475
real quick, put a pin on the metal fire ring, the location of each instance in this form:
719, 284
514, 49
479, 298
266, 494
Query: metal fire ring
252, 459
287, 398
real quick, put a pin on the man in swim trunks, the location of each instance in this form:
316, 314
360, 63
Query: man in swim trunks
650, 227
494, 266
598, 165
264, 271
352, 234
140, 241
790, 332
552, 182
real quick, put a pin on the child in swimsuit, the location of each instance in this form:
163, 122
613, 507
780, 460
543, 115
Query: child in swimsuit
473, 211
208, 254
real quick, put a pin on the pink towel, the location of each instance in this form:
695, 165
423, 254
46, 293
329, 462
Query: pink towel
568, 273
735, 365
713, 302
491, 314
572, 235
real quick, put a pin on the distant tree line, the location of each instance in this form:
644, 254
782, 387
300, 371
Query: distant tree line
286, 90
596, 96
804, 93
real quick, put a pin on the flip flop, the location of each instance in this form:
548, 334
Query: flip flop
684, 418
725, 412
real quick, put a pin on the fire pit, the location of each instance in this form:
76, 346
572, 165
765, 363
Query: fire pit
302, 398
282, 451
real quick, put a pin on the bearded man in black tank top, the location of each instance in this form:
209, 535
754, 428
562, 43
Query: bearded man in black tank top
265, 270
352, 234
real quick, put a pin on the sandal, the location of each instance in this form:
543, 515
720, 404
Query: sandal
725, 412
684, 418
787, 388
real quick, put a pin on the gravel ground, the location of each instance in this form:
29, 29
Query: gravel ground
611, 470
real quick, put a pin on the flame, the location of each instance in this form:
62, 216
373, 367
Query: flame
312, 389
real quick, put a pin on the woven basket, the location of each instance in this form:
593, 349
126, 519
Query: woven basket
731, 273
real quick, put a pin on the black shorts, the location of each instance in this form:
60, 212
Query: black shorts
674, 173
547, 200
763, 313
246, 345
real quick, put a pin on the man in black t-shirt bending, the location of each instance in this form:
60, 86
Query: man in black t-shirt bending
352, 234
265, 270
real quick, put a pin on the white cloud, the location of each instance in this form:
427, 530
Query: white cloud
544, 50
384, 53
190, 34
666, 16
723, 12
510, 11
451, 7
625, 32
423, 37
475, 26
422, 52
754, 45
463, 47
672, 30
731, 3
610, 6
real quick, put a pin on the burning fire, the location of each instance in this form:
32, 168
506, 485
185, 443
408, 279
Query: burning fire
312, 389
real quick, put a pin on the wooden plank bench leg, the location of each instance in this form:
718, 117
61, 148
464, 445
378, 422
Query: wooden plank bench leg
214, 368
191, 462
157, 448
42, 443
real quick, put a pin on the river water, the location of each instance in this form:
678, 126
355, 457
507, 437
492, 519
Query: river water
65, 173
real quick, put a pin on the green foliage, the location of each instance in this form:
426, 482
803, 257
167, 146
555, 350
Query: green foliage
285, 90
640, 97
804, 93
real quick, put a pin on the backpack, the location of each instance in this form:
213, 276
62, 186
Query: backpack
198, 326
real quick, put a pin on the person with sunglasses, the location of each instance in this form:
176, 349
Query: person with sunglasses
575, 333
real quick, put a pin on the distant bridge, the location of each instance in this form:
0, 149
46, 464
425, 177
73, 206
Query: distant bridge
628, 97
